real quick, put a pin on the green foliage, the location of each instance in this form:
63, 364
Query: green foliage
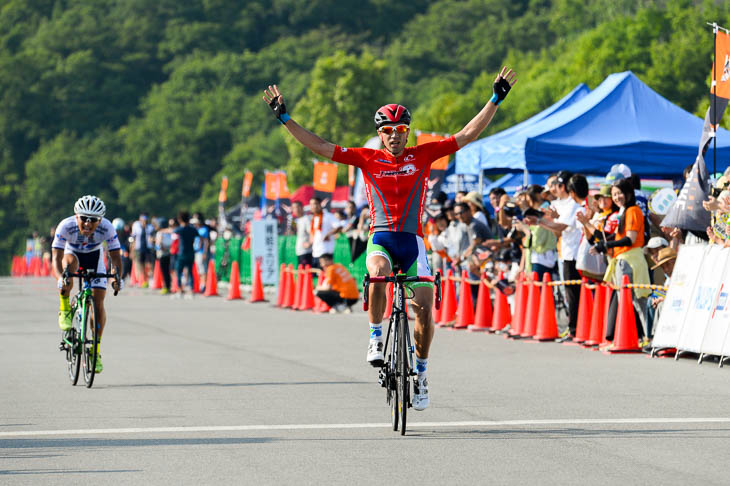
149, 102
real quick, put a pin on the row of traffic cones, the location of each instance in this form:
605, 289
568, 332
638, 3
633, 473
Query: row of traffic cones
463, 315
36, 267
296, 290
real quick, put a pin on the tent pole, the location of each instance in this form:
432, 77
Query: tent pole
525, 178
714, 102
481, 182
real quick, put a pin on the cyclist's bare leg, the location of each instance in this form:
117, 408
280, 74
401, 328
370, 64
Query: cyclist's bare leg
423, 330
98, 295
378, 266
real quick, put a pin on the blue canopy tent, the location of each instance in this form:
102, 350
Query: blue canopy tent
621, 121
512, 182
468, 158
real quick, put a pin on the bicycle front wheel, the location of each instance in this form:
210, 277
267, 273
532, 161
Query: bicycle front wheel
403, 370
89, 342
393, 397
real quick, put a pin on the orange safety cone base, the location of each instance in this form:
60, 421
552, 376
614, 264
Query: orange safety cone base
257, 288
465, 313
234, 291
211, 281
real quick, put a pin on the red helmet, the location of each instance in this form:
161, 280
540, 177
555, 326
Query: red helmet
392, 113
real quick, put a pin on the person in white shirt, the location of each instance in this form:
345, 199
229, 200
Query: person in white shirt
322, 224
570, 231
302, 224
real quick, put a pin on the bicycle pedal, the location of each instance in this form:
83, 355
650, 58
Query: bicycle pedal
62, 346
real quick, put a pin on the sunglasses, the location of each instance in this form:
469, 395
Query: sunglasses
459, 213
389, 129
88, 219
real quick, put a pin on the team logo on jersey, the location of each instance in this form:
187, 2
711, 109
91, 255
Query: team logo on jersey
406, 170
384, 161
409, 157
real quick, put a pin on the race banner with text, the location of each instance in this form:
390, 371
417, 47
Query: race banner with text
696, 315
264, 248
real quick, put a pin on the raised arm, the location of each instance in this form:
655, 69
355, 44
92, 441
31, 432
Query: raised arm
502, 84
315, 143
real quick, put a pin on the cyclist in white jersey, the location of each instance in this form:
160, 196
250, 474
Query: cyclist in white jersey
78, 243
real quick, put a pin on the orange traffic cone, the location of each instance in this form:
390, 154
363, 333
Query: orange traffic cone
448, 305
157, 276
585, 308
257, 287
518, 314
436, 313
626, 338
465, 313
501, 316
297, 288
289, 295
281, 288
196, 279
46, 268
14, 267
533, 308
547, 326
211, 282
598, 318
483, 315
234, 291
607, 305
307, 300
133, 282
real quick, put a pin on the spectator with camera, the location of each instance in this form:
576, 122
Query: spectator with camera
540, 253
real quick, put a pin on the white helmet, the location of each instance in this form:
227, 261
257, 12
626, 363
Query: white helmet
90, 206
118, 224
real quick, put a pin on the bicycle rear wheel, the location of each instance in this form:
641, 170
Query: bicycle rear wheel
73, 358
89, 342
403, 371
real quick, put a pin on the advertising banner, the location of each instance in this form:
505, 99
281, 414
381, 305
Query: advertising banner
264, 248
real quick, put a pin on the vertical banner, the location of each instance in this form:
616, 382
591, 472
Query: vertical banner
438, 167
677, 301
264, 248
325, 180
721, 72
245, 193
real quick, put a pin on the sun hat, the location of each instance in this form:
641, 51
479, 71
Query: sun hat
665, 255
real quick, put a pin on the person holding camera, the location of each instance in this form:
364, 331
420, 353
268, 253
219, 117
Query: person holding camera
541, 245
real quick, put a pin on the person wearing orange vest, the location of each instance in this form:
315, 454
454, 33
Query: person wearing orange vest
336, 287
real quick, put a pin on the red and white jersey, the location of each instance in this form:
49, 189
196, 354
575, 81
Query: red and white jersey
396, 187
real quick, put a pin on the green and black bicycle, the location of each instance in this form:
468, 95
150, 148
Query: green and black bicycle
80, 342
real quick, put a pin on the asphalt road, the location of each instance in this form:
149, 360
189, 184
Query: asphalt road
211, 391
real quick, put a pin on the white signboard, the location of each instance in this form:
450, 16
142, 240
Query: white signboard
717, 327
702, 302
265, 249
676, 303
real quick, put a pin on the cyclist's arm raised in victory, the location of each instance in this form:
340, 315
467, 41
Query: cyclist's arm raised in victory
502, 84
313, 142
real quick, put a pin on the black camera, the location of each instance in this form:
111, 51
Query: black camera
512, 210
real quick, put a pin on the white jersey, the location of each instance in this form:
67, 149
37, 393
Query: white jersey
70, 239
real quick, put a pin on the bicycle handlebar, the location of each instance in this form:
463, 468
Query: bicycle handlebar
91, 274
399, 278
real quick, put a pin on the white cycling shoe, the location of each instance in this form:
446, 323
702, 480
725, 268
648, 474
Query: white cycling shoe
420, 394
376, 358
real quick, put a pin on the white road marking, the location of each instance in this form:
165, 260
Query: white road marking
478, 423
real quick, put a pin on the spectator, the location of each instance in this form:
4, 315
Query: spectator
301, 225
163, 244
628, 257
474, 200
337, 288
142, 232
570, 230
186, 252
439, 256
361, 234
498, 198
477, 234
320, 231
541, 253
666, 258
455, 239
202, 245
459, 196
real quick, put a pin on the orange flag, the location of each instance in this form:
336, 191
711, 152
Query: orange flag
722, 64
325, 177
246, 187
224, 187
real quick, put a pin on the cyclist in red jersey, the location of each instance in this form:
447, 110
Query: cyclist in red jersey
396, 179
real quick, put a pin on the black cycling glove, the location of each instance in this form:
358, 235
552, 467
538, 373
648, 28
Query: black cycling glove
501, 88
279, 110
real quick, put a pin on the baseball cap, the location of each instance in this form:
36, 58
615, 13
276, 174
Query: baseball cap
657, 242
622, 169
